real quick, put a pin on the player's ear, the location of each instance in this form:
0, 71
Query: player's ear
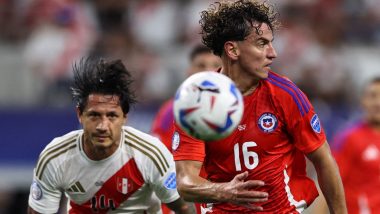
231, 49
79, 114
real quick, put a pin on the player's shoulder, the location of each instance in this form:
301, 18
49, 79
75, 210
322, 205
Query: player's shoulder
147, 149
284, 91
142, 141
281, 85
136, 135
68, 138
167, 106
57, 151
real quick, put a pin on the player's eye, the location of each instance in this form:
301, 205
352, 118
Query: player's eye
112, 115
93, 114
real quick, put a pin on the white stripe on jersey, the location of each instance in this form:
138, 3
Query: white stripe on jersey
300, 205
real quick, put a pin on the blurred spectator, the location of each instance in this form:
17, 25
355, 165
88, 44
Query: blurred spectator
357, 152
61, 31
201, 59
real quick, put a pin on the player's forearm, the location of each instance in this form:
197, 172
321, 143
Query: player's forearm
331, 186
179, 206
31, 211
329, 179
200, 190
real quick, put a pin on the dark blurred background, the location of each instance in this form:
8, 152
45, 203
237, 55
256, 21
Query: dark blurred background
329, 48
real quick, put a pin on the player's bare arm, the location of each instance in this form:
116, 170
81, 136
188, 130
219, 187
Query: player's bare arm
328, 178
179, 206
31, 211
192, 187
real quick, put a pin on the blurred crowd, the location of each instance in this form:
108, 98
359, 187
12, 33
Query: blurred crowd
329, 48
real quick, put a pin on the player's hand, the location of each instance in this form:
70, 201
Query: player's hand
241, 192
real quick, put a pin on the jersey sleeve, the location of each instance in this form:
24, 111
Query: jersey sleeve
302, 123
162, 126
186, 147
44, 194
163, 182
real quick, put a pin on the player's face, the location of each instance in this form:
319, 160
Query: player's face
204, 62
371, 102
256, 52
102, 120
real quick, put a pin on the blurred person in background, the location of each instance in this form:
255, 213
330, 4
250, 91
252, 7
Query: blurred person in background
61, 31
201, 59
105, 167
357, 152
261, 165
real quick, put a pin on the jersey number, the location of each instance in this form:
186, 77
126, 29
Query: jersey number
100, 203
250, 159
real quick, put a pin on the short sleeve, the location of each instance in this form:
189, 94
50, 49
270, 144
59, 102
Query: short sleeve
186, 147
165, 185
303, 123
44, 196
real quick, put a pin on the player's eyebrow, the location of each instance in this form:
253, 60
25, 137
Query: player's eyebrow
265, 39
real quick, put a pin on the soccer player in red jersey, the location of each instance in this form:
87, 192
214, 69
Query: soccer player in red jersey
201, 59
357, 152
261, 165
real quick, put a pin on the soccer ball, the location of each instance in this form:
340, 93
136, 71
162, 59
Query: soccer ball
208, 106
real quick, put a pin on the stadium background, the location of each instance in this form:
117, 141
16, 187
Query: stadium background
329, 48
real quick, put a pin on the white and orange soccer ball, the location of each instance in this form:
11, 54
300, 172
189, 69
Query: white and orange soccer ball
208, 106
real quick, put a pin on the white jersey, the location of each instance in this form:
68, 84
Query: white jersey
126, 182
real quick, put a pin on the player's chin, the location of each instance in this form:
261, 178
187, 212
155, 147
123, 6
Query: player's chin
263, 74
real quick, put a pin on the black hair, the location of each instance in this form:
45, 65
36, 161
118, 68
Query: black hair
95, 75
199, 49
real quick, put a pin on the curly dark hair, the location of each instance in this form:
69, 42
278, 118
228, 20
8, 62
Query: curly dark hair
234, 21
99, 76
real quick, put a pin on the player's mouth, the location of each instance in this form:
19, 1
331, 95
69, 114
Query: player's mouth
101, 138
268, 65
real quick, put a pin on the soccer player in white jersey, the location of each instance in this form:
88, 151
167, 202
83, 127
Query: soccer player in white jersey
105, 168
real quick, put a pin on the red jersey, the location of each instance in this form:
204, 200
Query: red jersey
163, 126
279, 125
357, 152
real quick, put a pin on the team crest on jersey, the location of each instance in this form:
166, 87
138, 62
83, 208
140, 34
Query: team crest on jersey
171, 182
267, 122
175, 141
122, 185
315, 124
36, 191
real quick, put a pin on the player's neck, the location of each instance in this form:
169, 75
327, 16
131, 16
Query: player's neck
244, 82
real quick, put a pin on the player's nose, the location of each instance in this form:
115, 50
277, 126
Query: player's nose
271, 54
102, 125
